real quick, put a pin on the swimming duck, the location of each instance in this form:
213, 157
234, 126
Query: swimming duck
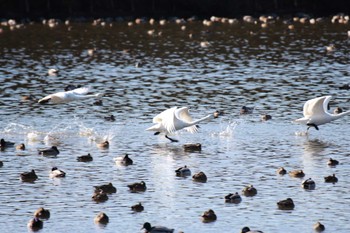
332, 162
192, 147
156, 229
106, 188
101, 218
287, 204
85, 158
233, 198
109, 118
103, 145
21, 147
319, 227
247, 230
338, 110
138, 207
1, 164
35, 224
183, 171
246, 110
281, 171
52, 72
266, 117
249, 191
200, 177
125, 161
308, 184
55, 172
138, 187
29, 176
297, 173
100, 197
42, 213
28, 97
209, 216
4, 144
331, 179
53, 151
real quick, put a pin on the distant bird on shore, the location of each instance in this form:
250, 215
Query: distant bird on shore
316, 113
69, 96
174, 119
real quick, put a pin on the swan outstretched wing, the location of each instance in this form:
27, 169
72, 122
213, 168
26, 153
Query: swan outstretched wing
79, 91
166, 118
183, 114
317, 106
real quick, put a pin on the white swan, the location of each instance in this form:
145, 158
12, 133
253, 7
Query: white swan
69, 96
174, 119
315, 112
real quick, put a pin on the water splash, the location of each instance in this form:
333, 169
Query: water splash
227, 131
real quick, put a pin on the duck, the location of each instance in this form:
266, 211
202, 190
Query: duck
69, 96
138, 207
297, 173
308, 184
338, 110
281, 171
192, 147
53, 151
331, 179
109, 118
209, 216
265, 117
249, 191
103, 145
156, 229
125, 161
35, 224
247, 230
138, 187
21, 147
183, 171
29, 176
28, 97
316, 113
52, 72
55, 173
286, 204
246, 110
99, 197
98, 103
233, 198
174, 119
1, 163
332, 162
200, 177
319, 227
101, 218
42, 213
4, 144
106, 188
85, 158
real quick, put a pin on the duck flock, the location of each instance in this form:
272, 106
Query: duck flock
167, 123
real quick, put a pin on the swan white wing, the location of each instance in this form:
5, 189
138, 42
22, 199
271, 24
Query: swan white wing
316, 106
183, 115
80, 91
167, 118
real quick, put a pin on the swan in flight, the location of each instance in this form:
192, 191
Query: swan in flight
69, 96
315, 112
174, 119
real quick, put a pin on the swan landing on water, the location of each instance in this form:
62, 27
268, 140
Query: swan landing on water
316, 114
174, 119
69, 96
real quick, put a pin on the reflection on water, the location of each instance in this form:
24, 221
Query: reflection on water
273, 69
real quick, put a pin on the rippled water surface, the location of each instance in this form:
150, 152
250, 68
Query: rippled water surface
273, 69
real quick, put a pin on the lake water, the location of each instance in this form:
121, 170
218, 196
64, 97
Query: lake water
272, 69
